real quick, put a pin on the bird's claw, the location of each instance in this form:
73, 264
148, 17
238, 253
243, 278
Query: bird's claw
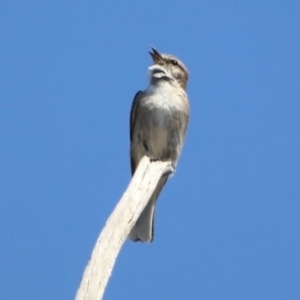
153, 159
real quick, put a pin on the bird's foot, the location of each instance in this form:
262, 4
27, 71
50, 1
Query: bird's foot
173, 168
153, 159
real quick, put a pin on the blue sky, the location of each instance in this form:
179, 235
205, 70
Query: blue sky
227, 224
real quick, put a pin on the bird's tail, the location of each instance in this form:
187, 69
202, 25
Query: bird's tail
143, 230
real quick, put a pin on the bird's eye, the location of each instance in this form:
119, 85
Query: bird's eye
174, 62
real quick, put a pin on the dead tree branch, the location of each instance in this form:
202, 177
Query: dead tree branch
118, 226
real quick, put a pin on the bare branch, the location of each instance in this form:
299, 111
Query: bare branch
118, 226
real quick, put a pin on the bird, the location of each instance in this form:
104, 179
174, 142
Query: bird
158, 123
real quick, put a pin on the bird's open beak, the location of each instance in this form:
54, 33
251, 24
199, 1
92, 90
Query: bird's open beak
156, 56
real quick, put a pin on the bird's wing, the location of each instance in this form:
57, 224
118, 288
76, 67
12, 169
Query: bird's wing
133, 113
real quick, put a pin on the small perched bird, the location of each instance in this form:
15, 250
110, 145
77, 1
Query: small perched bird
158, 122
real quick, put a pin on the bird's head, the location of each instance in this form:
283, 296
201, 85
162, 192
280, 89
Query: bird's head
168, 67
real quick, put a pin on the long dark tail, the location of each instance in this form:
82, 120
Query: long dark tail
143, 230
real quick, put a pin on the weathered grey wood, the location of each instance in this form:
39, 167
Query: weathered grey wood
118, 226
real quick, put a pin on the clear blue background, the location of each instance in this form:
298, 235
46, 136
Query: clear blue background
227, 224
